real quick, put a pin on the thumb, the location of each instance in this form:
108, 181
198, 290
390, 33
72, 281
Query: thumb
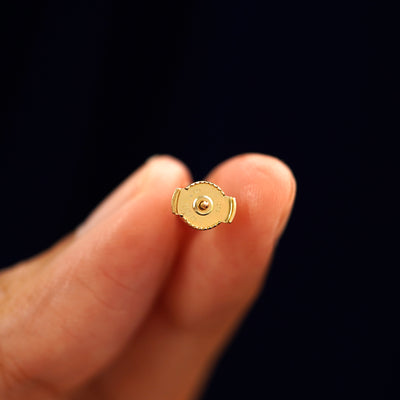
65, 314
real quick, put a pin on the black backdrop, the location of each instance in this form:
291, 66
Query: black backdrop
90, 89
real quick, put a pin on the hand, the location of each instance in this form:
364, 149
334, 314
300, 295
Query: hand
135, 304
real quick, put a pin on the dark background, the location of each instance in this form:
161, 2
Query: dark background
90, 89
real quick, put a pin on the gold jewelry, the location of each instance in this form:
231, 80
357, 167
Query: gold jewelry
203, 205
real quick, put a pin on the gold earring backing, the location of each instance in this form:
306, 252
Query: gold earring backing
203, 205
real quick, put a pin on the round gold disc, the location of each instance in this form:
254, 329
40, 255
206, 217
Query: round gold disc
203, 205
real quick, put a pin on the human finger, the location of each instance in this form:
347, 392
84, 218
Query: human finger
67, 320
218, 275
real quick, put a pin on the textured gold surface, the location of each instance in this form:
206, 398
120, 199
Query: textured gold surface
203, 205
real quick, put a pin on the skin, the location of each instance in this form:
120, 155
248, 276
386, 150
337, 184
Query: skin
135, 304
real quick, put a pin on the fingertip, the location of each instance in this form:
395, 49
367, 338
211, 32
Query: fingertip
222, 269
168, 163
265, 189
248, 164
158, 174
